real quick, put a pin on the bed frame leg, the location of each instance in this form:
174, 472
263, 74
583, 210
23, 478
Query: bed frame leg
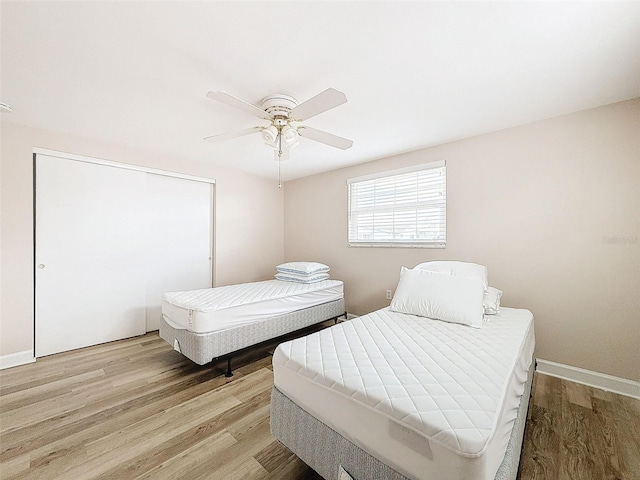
229, 372
335, 320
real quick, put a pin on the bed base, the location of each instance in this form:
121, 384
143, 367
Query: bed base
203, 348
326, 451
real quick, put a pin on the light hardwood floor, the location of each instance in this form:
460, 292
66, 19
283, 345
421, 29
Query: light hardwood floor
137, 409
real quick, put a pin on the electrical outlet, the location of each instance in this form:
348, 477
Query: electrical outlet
388, 294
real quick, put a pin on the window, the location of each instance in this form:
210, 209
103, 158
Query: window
401, 208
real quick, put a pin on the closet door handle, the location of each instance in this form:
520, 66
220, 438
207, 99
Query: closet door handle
41, 266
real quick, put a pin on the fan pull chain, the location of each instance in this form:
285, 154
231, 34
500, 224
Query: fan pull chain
279, 155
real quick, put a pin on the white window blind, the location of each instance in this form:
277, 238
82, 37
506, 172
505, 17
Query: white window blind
401, 208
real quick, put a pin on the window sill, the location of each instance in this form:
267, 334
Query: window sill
397, 245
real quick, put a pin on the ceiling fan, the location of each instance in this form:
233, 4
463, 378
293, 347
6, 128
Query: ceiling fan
283, 112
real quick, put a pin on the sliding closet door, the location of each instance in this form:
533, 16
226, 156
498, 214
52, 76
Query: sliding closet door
90, 276
179, 239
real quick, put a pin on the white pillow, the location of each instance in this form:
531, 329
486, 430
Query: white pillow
457, 269
439, 296
491, 302
292, 277
302, 268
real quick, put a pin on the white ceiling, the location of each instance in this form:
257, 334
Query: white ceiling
415, 74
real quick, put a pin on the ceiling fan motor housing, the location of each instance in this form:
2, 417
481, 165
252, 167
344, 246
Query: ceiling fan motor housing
279, 104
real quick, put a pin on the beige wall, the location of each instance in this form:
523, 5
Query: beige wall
249, 220
551, 208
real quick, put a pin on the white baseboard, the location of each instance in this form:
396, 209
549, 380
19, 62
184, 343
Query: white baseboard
16, 359
602, 381
351, 316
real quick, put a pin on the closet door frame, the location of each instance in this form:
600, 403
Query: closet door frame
126, 166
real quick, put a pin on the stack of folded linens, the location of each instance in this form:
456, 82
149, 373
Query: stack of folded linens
302, 272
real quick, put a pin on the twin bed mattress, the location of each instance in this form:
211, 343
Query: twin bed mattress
429, 399
223, 308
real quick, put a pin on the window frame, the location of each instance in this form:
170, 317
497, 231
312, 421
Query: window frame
440, 242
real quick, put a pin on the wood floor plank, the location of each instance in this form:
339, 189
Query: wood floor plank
29, 413
293, 469
280, 463
138, 409
64, 364
41, 393
578, 394
542, 441
622, 431
612, 442
578, 463
223, 464
273, 456
80, 455
163, 425
189, 459
103, 459
65, 398
631, 405
96, 420
174, 446
237, 468
15, 468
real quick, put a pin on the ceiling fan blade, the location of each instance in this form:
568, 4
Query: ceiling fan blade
225, 136
324, 137
228, 99
322, 102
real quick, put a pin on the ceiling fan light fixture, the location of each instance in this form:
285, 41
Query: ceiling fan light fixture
270, 135
289, 135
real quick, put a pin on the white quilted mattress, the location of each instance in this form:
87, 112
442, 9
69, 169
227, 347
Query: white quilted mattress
221, 308
431, 399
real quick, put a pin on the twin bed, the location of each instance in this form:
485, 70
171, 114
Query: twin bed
397, 395
212, 323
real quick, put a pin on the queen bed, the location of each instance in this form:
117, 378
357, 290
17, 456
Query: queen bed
211, 323
395, 395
